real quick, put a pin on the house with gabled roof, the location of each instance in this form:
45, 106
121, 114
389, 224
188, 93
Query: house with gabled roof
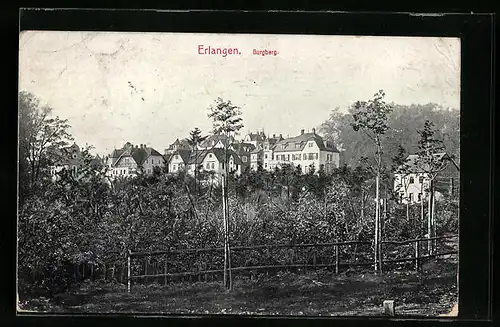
182, 144
177, 160
256, 139
216, 141
411, 179
132, 160
66, 158
306, 149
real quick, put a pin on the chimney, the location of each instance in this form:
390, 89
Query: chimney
281, 136
274, 136
301, 131
136, 146
314, 130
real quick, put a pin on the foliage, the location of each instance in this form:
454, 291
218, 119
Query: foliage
39, 135
404, 121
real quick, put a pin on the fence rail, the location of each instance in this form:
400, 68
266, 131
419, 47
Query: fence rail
316, 253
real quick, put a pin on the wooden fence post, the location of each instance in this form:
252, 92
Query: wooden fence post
165, 271
381, 254
337, 259
417, 255
128, 271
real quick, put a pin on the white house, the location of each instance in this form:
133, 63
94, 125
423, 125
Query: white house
132, 160
411, 181
305, 150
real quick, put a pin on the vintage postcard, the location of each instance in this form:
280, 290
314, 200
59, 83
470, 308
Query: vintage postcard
238, 174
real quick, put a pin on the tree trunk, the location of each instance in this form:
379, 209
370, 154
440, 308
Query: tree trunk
422, 212
377, 217
433, 223
407, 211
429, 217
224, 218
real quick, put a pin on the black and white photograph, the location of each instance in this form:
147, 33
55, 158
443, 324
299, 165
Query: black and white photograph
177, 173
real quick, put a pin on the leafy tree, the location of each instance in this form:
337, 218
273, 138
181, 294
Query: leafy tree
431, 162
371, 118
227, 120
38, 132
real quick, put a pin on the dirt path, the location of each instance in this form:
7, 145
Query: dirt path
429, 293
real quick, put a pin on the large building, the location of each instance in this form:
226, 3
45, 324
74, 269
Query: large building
305, 150
132, 160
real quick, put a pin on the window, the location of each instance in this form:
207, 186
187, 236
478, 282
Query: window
213, 165
265, 156
174, 167
265, 165
419, 197
176, 156
410, 197
310, 144
210, 155
421, 179
244, 158
208, 165
412, 180
315, 156
311, 156
287, 157
305, 156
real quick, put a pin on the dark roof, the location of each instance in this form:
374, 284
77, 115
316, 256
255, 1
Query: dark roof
240, 147
214, 139
197, 157
183, 153
138, 154
256, 150
298, 143
257, 137
273, 140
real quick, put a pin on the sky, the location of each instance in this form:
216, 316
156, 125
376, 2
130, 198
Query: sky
151, 88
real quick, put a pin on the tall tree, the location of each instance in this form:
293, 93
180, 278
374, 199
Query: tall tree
431, 160
370, 117
38, 132
227, 121
194, 140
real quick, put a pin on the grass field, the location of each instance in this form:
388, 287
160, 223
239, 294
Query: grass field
431, 292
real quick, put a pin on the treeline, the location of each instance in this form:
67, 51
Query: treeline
404, 121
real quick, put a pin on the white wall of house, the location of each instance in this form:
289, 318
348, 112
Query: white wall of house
411, 187
176, 164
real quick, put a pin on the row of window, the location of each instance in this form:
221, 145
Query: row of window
420, 180
305, 156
